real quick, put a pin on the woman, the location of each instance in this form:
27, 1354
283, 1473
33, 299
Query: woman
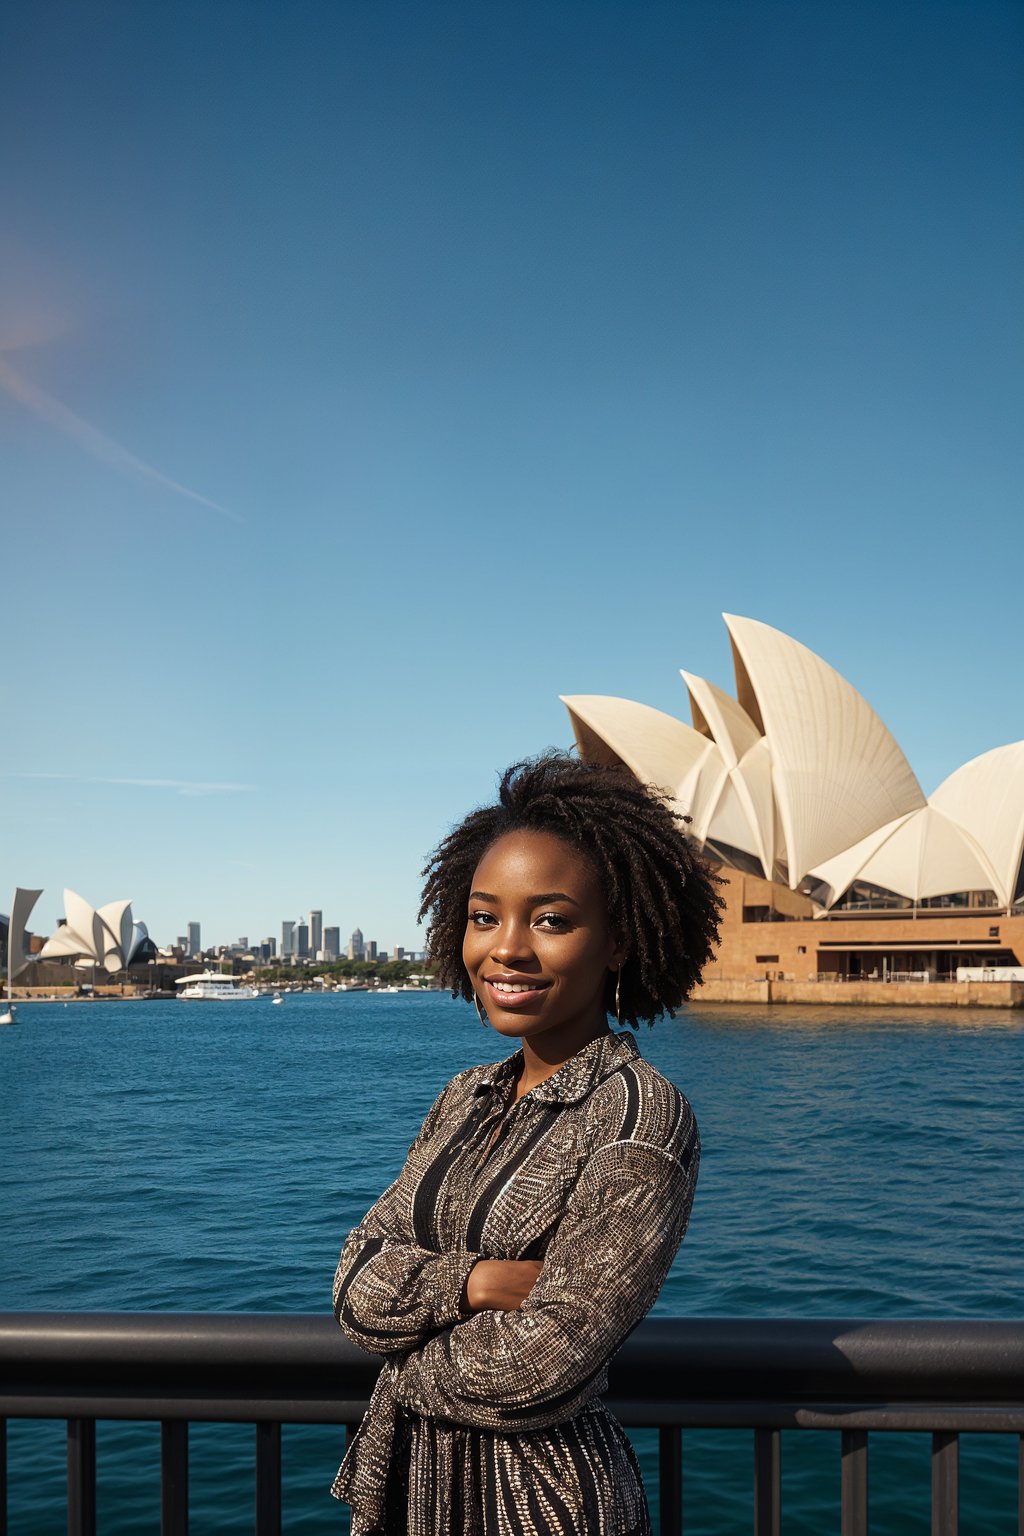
542, 1202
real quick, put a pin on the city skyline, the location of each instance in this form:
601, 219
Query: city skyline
370, 379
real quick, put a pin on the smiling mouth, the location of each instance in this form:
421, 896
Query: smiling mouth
513, 994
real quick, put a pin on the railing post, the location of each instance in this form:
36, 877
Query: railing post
670, 1479
854, 1482
174, 1477
268, 1479
945, 1484
81, 1477
3, 1477
767, 1483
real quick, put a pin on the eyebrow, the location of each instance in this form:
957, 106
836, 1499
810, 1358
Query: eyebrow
535, 901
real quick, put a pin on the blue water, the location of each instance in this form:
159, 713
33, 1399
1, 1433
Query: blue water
211, 1157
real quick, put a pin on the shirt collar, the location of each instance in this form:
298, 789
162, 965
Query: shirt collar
576, 1077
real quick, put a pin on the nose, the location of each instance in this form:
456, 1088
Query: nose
511, 945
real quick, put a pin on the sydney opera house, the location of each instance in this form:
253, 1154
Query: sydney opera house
102, 941
836, 865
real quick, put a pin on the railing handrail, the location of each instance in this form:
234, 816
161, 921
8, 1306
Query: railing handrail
299, 1368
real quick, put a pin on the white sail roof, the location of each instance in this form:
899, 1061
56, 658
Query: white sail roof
838, 773
921, 855
717, 715
108, 937
800, 772
747, 759
664, 751
657, 747
986, 796
21, 911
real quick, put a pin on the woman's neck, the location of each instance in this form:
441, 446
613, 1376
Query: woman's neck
543, 1057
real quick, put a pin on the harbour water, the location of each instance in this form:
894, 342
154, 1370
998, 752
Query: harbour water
212, 1156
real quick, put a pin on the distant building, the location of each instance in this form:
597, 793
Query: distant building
370, 949
287, 940
316, 931
268, 948
332, 941
243, 942
302, 940
355, 945
195, 943
399, 952
181, 942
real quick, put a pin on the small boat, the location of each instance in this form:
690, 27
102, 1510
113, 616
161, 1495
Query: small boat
211, 986
277, 998
7, 1017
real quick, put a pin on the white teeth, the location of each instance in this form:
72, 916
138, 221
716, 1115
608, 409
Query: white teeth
513, 986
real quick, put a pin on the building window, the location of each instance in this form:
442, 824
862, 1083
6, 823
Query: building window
993, 933
766, 959
801, 949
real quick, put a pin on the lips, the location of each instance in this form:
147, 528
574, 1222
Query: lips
513, 991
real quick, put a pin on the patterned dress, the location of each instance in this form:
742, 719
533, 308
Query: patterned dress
490, 1423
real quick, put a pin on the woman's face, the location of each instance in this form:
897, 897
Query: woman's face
538, 947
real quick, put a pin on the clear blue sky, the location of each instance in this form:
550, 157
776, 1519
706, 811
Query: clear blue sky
372, 373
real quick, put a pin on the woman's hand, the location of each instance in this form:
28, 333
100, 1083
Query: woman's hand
501, 1285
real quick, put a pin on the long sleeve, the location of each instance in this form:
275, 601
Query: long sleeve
391, 1294
526, 1369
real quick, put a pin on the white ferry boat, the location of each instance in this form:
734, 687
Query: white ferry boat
211, 986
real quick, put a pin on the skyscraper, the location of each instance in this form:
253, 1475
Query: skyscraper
302, 940
316, 931
287, 940
355, 945
332, 942
194, 942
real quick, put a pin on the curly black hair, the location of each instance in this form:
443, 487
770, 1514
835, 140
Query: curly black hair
662, 896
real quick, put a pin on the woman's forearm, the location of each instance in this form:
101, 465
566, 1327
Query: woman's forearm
501, 1285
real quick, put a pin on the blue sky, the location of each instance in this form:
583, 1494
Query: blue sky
371, 374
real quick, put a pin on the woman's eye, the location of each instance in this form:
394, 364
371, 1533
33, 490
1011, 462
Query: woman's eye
553, 921
481, 919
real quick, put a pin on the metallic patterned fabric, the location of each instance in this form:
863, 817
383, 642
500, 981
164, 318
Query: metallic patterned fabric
490, 1423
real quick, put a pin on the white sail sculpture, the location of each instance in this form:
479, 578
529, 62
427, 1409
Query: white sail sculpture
21, 911
106, 937
799, 774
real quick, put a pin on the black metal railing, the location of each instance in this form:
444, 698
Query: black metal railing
940, 1378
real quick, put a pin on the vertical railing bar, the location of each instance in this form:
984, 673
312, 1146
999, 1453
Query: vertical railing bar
670, 1479
81, 1477
268, 1478
854, 1477
174, 1477
945, 1483
1020, 1486
3, 1477
767, 1483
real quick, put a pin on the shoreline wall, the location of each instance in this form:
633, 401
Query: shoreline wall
882, 994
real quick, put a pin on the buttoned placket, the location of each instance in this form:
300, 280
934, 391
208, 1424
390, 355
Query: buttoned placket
495, 1121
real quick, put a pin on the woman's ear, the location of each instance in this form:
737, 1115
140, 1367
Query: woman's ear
619, 953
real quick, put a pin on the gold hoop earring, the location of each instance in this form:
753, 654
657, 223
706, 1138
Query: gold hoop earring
618, 997
479, 1012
